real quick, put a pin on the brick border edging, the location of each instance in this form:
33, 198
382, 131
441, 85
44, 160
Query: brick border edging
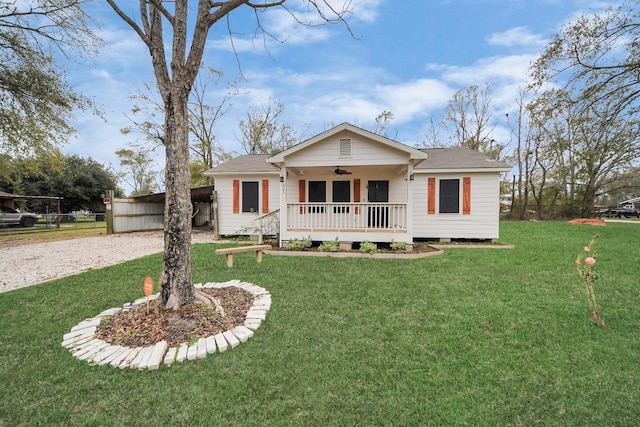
82, 345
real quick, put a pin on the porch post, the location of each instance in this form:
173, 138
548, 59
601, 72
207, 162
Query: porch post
410, 190
283, 204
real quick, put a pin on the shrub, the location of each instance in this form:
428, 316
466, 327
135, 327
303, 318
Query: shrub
398, 246
368, 247
330, 246
298, 244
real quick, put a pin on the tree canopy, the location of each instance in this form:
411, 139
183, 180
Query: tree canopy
587, 92
79, 180
36, 103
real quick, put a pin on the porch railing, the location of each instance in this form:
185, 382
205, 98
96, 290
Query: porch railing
351, 216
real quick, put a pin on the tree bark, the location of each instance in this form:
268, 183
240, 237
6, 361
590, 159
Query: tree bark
177, 288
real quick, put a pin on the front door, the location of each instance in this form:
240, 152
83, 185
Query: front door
378, 192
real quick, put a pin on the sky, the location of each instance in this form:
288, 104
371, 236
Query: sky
408, 57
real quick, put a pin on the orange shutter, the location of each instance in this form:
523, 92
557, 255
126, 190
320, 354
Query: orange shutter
236, 196
301, 193
265, 196
466, 195
356, 194
431, 196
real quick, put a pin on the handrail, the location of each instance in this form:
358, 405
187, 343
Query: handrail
353, 216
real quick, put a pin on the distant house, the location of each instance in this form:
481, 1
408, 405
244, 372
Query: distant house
354, 185
631, 203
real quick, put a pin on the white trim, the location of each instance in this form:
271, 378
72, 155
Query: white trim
459, 170
414, 153
273, 172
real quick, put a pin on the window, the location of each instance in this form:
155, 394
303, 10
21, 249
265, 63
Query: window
449, 196
341, 191
317, 191
250, 196
341, 194
317, 194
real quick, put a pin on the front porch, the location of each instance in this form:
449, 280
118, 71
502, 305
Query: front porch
347, 216
348, 222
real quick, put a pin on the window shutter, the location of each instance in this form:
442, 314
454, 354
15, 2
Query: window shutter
236, 196
302, 184
265, 196
466, 195
356, 193
431, 200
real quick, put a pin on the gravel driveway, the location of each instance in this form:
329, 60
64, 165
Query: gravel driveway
30, 264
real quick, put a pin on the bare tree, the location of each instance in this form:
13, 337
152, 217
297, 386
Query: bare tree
468, 119
432, 137
148, 112
264, 132
205, 147
136, 165
175, 77
383, 120
523, 132
147, 116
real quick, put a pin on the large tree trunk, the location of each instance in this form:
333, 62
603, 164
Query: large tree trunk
177, 288
174, 85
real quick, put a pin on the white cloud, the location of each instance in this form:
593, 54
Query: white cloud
518, 36
413, 99
366, 10
499, 69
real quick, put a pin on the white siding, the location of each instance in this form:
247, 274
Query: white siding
230, 223
482, 223
364, 152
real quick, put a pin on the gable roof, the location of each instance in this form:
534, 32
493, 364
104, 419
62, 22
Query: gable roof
245, 164
414, 153
635, 199
458, 159
453, 159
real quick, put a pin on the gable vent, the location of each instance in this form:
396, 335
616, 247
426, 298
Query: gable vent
344, 148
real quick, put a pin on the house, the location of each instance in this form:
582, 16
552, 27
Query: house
631, 203
354, 185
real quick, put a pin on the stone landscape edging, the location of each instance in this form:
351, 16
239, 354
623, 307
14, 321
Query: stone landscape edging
83, 345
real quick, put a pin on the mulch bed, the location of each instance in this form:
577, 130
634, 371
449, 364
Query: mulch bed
137, 328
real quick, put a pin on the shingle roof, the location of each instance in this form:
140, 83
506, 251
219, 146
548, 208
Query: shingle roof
455, 158
458, 158
248, 163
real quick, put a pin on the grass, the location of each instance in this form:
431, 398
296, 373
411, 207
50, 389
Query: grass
9, 236
471, 337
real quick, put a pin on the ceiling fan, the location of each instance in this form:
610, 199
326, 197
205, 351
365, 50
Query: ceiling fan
339, 171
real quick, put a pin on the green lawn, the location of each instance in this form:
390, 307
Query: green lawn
470, 337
